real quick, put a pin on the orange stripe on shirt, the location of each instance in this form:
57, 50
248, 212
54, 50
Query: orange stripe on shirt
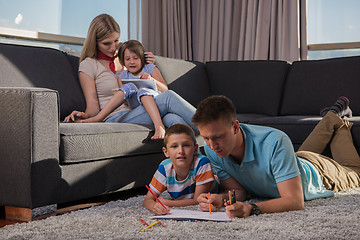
156, 184
204, 176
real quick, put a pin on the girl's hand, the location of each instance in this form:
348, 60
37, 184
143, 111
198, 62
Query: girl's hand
76, 116
145, 76
149, 57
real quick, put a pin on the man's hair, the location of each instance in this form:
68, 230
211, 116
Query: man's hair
179, 128
133, 46
214, 108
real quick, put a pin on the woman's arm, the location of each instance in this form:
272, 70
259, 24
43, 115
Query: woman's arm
92, 103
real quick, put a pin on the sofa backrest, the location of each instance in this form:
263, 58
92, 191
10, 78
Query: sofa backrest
188, 79
25, 66
314, 84
254, 86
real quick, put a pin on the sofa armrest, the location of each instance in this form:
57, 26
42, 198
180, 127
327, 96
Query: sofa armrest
29, 132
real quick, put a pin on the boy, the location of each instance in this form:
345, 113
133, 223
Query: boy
185, 174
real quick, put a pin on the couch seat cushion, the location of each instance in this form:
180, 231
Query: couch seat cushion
296, 127
81, 142
299, 127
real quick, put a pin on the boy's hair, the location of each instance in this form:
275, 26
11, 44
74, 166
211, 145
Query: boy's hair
101, 27
135, 47
214, 108
178, 129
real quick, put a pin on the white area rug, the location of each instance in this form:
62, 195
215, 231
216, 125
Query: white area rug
332, 218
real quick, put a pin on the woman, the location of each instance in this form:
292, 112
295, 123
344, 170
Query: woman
98, 81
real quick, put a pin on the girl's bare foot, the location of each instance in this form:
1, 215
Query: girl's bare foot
159, 133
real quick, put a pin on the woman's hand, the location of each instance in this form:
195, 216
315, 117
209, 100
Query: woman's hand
76, 116
149, 57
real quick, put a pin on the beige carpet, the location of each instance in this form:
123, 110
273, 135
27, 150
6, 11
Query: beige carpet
333, 218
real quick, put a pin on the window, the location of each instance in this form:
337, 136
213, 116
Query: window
59, 19
333, 28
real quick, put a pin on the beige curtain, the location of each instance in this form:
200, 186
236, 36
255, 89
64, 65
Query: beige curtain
214, 30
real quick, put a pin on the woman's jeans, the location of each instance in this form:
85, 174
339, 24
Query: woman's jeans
172, 108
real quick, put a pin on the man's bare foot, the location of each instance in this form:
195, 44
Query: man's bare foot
159, 133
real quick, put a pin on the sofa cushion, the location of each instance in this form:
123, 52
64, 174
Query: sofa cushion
313, 85
248, 117
180, 75
25, 66
82, 142
299, 127
253, 86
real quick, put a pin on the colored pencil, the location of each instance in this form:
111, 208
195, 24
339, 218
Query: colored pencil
149, 226
155, 196
209, 203
143, 222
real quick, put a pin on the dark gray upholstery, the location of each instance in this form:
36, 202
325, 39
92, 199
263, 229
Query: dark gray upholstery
253, 86
311, 85
180, 75
44, 161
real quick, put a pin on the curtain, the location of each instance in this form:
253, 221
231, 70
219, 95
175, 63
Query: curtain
215, 30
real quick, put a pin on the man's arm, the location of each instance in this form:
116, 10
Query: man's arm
291, 198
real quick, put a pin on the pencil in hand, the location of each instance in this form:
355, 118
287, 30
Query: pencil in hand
155, 196
209, 202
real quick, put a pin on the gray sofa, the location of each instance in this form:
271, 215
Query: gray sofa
44, 161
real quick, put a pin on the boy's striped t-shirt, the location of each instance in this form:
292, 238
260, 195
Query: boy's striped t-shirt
165, 178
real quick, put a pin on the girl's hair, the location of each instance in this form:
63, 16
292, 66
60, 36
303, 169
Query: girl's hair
100, 28
135, 47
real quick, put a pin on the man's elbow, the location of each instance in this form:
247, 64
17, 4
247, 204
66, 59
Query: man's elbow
299, 204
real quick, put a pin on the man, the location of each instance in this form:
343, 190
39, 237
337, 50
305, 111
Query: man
255, 160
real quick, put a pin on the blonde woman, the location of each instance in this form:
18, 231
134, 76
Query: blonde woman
98, 79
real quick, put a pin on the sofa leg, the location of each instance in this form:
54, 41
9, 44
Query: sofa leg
18, 214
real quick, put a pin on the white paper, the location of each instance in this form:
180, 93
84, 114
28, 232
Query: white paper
182, 214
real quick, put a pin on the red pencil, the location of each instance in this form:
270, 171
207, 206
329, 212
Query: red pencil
155, 196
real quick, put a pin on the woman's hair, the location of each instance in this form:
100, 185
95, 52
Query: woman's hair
214, 108
179, 128
100, 28
133, 46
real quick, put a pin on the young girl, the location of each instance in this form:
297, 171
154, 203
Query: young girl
132, 56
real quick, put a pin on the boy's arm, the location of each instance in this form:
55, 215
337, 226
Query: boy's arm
154, 206
199, 189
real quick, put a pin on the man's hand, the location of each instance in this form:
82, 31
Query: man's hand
215, 200
238, 209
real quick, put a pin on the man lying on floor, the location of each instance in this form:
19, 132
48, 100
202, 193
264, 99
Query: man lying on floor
261, 161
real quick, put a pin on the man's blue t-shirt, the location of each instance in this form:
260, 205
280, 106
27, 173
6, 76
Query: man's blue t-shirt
269, 159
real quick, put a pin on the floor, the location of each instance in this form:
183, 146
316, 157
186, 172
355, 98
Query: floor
77, 205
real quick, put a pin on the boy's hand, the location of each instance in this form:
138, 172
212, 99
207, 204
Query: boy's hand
158, 209
238, 209
204, 200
